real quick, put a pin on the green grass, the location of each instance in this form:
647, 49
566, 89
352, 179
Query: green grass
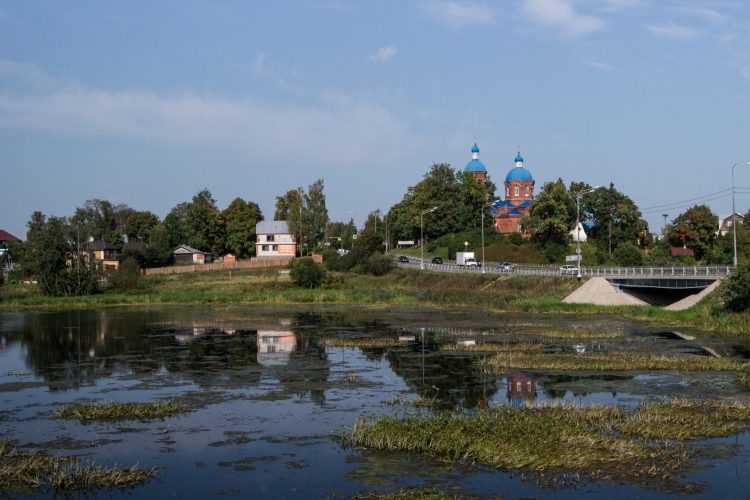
36, 473
602, 441
106, 411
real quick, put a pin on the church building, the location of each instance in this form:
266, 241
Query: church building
519, 193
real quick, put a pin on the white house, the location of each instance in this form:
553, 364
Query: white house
726, 221
273, 239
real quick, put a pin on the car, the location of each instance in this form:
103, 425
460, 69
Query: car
505, 266
568, 270
471, 262
437, 260
403, 258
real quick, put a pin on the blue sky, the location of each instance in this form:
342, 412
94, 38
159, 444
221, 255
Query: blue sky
146, 103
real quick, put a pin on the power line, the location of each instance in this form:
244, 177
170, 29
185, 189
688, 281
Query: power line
691, 200
685, 205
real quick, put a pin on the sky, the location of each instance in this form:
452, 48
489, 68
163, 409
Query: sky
146, 103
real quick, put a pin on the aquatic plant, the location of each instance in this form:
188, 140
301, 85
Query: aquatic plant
363, 342
494, 347
108, 411
36, 473
613, 361
606, 442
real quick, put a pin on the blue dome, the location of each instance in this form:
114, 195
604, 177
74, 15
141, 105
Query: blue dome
475, 166
518, 174
519, 158
475, 149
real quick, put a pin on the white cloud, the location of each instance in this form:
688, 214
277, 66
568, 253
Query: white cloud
674, 31
593, 63
334, 130
616, 5
457, 14
562, 15
383, 54
710, 16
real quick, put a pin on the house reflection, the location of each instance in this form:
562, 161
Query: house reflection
521, 387
275, 347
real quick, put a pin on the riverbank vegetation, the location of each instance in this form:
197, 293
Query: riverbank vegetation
403, 287
601, 442
110, 412
37, 473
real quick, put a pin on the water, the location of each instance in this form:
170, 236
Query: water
270, 399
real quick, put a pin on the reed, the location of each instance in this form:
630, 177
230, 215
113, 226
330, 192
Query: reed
108, 411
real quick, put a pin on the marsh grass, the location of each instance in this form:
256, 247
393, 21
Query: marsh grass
108, 411
606, 442
616, 361
420, 402
408, 494
35, 473
495, 347
576, 334
363, 342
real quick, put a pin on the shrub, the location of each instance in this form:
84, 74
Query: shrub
378, 264
128, 277
627, 254
306, 273
736, 292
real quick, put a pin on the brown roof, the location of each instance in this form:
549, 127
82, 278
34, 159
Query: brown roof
678, 251
6, 236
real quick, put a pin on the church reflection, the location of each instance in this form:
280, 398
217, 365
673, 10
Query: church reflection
521, 388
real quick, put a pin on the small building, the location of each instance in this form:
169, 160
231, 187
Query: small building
726, 222
6, 237
273, 239
229, 258
578, 234
184, 254
681, 252
6, 259
105, 255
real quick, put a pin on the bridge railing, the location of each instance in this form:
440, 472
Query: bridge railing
554, 270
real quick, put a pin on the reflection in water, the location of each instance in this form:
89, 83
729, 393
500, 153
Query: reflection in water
274, 347
521, 387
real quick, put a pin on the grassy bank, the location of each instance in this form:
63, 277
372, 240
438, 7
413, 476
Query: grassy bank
112, 412
605, 442
400, 287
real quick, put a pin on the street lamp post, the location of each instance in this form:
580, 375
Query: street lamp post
578, 226
386, 230
483, 207
421, 232
734, 219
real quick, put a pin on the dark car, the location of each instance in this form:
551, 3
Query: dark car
437, 260
403, 258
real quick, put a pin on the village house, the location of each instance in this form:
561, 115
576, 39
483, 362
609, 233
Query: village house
105, 255
273, 239
184, 254
726, 222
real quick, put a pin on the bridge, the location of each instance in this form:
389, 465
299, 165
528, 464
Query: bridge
652, 284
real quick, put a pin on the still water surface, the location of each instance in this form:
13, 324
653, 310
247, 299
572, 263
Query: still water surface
270, 398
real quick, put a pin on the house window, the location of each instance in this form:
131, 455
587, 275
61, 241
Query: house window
269, 237
515, 191
275, 248
265, 248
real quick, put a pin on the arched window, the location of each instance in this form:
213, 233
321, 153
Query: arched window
507, 191
515, 191
527, 191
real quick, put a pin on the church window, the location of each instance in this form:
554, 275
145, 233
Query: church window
507, 191
527, 191
515, 191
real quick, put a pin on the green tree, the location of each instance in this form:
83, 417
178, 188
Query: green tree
240, 218
175, 224
549, 219
616, 218
315, 214
54, 258
128, 276
696, 229
97, 219
160, 247
204, 224
289, 208
139, 225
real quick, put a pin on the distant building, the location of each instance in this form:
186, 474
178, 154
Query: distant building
6, 237
726, 222
519, 193
273, 239
184, 254
6, 259
105, 255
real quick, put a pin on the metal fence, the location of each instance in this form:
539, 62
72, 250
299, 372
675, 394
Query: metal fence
712, 272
